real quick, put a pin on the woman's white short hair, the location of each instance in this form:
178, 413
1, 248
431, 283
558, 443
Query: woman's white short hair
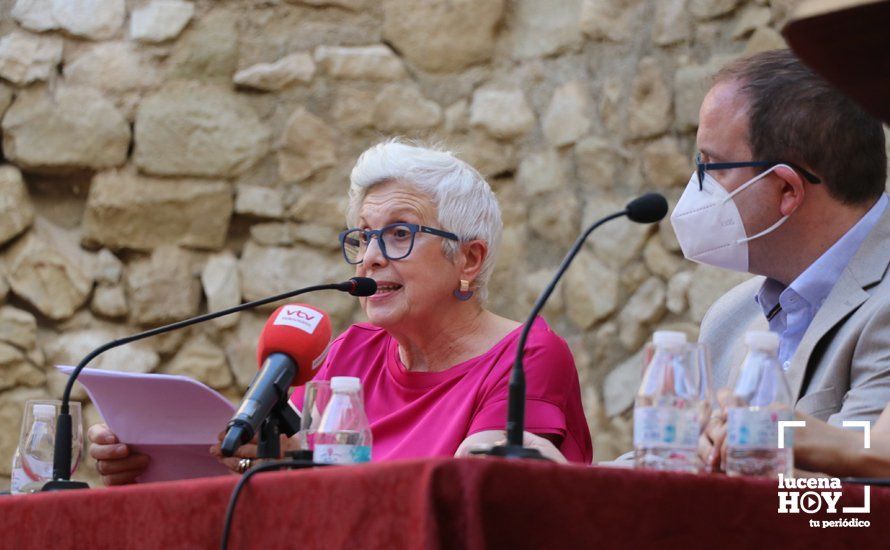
464, 201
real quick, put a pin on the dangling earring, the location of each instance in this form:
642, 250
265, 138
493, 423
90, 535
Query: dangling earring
463, 293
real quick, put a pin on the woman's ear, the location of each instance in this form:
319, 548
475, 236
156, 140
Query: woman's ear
473, 254
793, 189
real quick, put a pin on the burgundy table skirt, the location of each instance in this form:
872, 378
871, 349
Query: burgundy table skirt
441, 503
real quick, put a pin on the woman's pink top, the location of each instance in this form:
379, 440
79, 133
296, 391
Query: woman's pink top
420, 414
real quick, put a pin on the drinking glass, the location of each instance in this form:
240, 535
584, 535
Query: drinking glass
37, 441
316, 395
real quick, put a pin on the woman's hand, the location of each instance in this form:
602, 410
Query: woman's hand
490, 438
116, 462
248, 451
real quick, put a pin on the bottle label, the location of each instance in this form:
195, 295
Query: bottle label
666, 427
341, 454
757, 428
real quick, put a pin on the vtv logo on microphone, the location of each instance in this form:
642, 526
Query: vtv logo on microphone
297, 316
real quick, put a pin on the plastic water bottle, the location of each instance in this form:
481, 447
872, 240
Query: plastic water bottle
343, 435
669, 406
761, 399
32, 463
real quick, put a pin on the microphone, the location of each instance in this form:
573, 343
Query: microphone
362, 286
291, 347
357, 286
649, 208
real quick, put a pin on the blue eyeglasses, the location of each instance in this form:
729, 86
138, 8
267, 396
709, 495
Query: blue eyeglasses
395, 240
702, 167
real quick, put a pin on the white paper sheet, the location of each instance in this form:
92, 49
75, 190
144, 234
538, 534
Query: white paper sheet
173, 419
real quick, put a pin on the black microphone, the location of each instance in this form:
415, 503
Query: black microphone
357, 286
268, 387
649, 208
289, 356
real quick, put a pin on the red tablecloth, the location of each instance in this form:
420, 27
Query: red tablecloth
442, 503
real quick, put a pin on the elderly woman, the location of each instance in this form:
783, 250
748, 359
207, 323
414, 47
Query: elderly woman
434, 363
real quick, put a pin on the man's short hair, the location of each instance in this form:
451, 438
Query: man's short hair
796, 116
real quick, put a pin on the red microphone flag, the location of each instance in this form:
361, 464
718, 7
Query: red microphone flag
299, 331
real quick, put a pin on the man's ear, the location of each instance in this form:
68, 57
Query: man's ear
793, 189
473, 255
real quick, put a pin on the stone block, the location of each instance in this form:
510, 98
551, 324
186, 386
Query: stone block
75, 128
126, 210
541, 29
201, 359
194, 129
591, 291
502, 113
541, 173
163, 288
208, 50
26, 57
650, 102
400, 109
259, 201
41, 274
442, 36
16, 211
672, 23
160, 20
93, 19
18, 327
566, 119
611, 20
359, 63
222, 286
307, 145
276, 76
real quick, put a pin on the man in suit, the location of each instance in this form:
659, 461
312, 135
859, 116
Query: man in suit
790, 186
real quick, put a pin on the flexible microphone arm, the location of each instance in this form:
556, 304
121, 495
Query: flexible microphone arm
357, 286
649, 208
516, 404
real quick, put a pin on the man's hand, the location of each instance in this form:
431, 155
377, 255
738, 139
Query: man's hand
116, 462
712, 442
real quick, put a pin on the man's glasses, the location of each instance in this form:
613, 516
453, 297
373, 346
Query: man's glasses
395, 240
702, 167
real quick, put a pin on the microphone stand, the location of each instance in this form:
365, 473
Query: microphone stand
516, 404
62, 453
282, 419
648, 208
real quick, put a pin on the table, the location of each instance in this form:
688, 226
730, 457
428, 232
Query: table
439, 503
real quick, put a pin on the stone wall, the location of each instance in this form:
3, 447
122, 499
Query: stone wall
162, 158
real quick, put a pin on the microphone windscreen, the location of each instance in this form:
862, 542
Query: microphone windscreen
649, 208
363, 286
300, 331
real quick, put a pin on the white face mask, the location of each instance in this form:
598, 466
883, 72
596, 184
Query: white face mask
709, 226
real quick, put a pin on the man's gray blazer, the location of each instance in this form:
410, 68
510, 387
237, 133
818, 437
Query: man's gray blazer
841, 370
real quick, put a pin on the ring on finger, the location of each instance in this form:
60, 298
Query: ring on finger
244, 464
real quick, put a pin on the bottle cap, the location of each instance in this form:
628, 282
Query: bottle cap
345, 383
763, 340
668, 338
44, 410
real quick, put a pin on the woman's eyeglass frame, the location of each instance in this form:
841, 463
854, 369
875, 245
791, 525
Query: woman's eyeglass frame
702, 167
368, 234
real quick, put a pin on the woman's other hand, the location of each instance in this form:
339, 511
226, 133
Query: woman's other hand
116, 462
490, 438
